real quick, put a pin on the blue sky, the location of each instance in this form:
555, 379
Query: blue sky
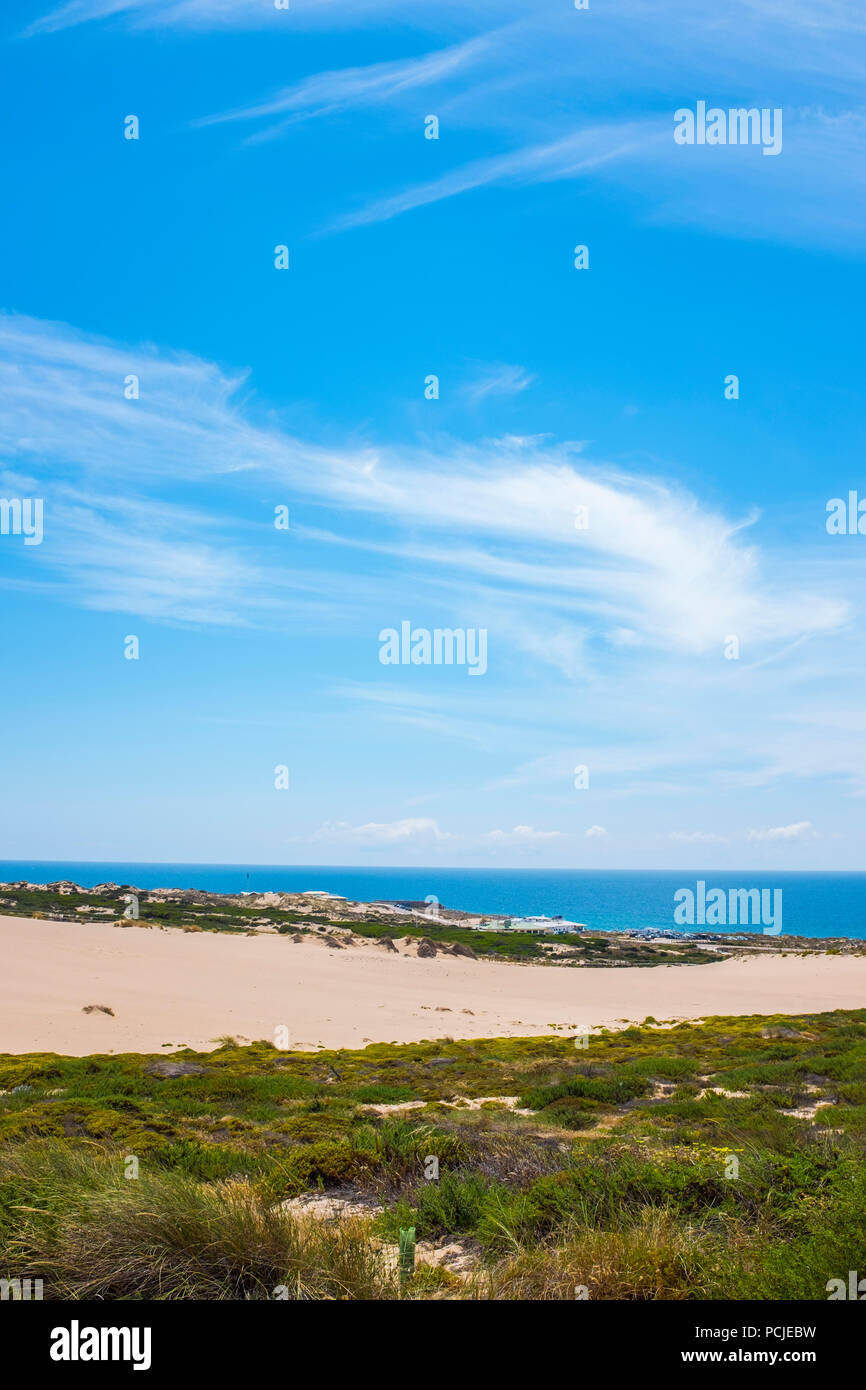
559, 389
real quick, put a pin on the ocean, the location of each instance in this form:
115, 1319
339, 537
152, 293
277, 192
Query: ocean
813, 904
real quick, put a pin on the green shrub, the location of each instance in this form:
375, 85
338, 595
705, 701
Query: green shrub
315, 1165
613, 1089
451, 1206
383, 1095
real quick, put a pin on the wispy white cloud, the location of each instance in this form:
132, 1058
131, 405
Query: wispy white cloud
515, 71
498, 549
160, 561
147, 512
498, 379
812, 195
652, 560
581, 152
258, 14
438, 713
82, 11
687, 22
348, 88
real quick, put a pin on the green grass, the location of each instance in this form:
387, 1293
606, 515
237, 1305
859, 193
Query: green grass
619, 1177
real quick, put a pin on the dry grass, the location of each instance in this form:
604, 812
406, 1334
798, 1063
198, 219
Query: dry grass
91, 1233
653, 1258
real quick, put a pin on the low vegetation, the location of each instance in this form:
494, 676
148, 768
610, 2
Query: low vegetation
716, 1160
219, 912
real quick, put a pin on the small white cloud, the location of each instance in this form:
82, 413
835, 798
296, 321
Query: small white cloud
381, 832
801, 830
525, 834
697, 837
596, 832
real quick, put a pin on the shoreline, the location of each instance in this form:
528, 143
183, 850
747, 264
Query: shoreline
826, 922
170, 989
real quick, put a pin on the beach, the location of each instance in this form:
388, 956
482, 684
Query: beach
169, 989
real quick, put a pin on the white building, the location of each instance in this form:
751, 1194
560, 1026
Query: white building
557, 926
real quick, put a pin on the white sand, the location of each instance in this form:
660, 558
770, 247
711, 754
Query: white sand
189, 989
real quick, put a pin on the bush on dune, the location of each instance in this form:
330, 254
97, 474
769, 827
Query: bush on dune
653, 1257
91, 1233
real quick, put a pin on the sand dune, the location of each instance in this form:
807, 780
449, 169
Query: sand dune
171, 987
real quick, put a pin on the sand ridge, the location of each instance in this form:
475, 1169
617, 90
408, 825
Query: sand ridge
170, 987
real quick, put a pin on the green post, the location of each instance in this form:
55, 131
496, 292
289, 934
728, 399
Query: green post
407, 1255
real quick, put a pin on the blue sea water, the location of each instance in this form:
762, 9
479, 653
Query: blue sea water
813, 904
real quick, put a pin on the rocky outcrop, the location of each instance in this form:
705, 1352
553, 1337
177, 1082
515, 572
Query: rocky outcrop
168, 1070
458, 949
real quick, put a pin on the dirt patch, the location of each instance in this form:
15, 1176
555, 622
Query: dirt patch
332, 1206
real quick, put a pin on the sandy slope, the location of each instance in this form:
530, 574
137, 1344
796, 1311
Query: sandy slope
188, 989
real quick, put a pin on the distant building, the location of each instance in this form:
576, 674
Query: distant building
538, 925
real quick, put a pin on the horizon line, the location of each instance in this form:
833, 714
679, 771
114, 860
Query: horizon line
427, 868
